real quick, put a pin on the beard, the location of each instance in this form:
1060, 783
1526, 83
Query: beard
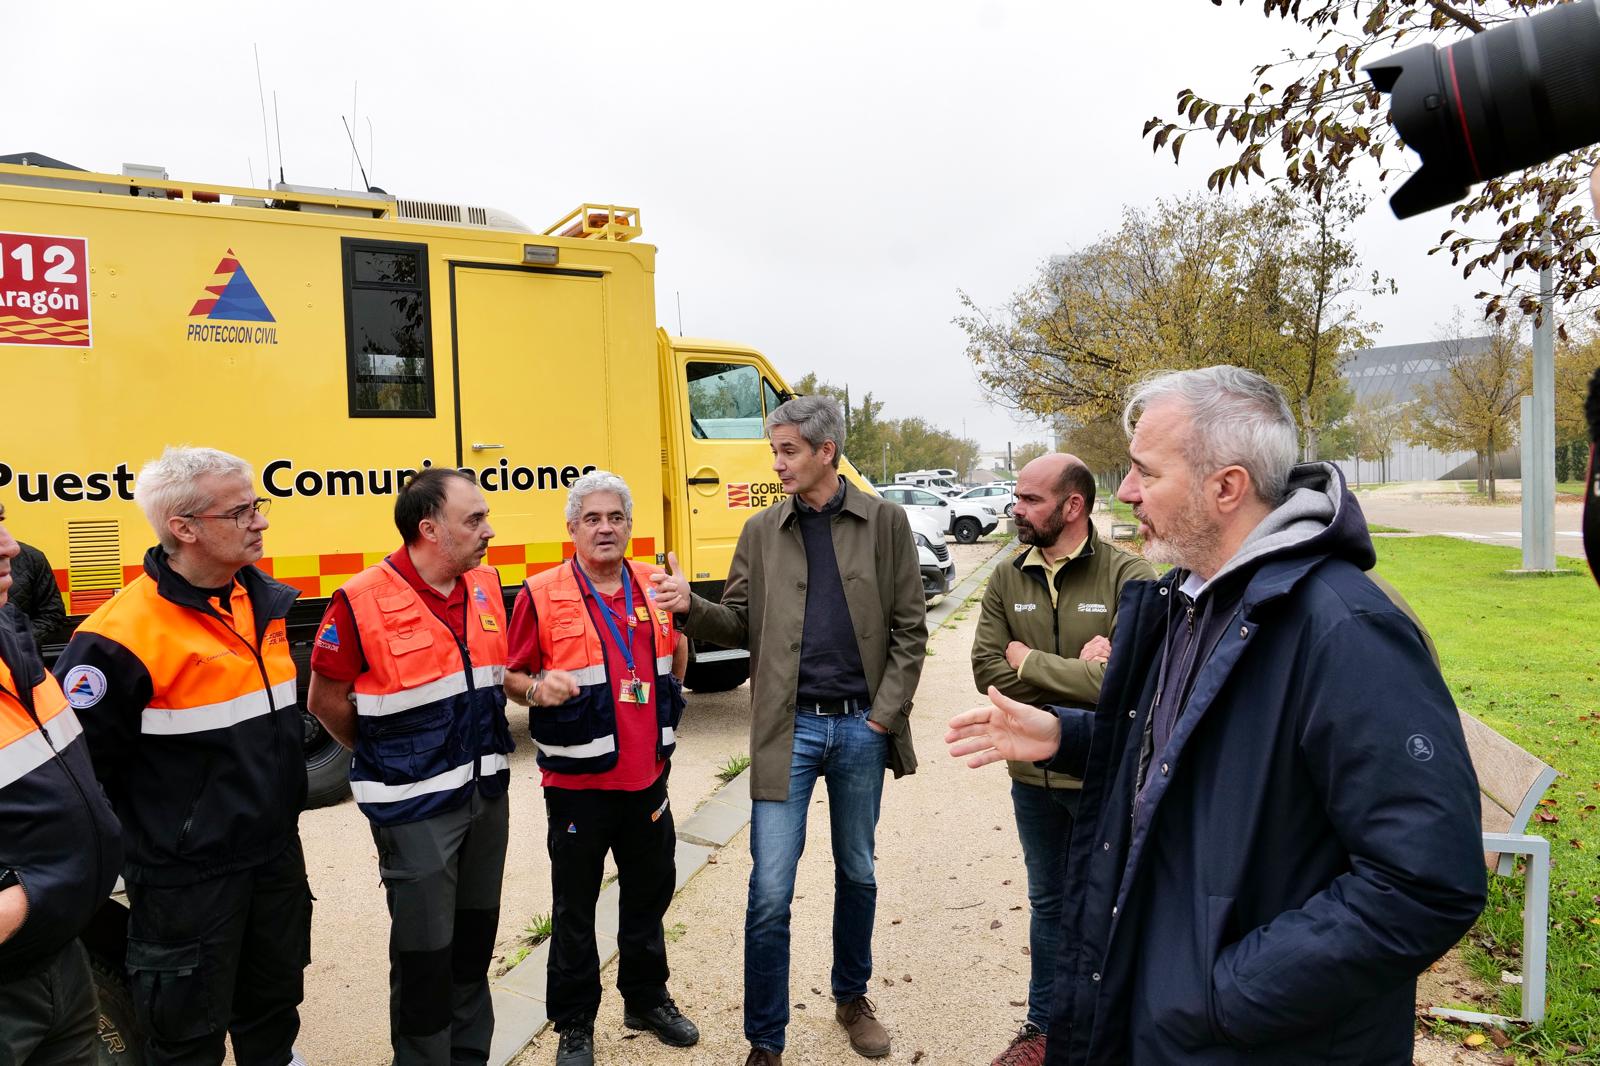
1186, 540
1042, 535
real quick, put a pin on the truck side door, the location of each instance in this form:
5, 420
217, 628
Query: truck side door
724, 401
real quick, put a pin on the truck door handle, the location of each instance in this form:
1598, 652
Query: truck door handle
705, 481
477, 447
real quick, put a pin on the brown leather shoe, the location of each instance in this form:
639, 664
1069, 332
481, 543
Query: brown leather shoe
760, 1056
867, 1034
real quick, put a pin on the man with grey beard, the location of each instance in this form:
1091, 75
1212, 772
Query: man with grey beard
1278, 827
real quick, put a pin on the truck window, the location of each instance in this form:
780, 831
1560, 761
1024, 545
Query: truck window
390, 356
725, 401
770, 394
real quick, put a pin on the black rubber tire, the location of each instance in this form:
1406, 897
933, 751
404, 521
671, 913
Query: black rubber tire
120, 1043
1010, 509
327, 766
722, 675
967, 530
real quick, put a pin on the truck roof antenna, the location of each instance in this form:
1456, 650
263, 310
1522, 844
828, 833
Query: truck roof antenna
353, 149
266, 141
275, 122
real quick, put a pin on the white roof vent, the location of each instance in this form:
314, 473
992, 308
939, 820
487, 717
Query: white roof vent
457, 215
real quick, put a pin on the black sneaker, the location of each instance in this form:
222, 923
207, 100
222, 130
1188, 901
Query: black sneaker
577, 1045
664, 1020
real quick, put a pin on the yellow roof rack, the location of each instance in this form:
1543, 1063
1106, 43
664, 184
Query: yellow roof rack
598, 222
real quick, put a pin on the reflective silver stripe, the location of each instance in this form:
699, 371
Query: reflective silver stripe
378, 792
589, 675
663, 664
668, 736
30, 751
165, 721
603, 746
394, 702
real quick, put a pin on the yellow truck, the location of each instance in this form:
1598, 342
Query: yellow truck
340, 341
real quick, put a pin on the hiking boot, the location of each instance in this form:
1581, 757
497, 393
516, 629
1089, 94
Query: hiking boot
860, 1020
577, 1045
1026, 1049
666, 1021
760, 1056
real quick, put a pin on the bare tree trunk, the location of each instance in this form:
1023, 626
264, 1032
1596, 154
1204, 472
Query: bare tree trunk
1482, 487
1490, 451
1311, 430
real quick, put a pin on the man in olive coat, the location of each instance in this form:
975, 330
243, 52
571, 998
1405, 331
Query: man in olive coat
825, 591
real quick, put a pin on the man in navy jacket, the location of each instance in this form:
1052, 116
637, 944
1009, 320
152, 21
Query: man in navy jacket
1280, 822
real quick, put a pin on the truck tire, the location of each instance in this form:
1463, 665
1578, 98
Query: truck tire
967, 530
327, 766
721, 675
120, 1042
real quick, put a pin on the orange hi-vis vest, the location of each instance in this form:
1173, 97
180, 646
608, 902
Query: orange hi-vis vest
430, 711
191, 709
57, 831
580, 736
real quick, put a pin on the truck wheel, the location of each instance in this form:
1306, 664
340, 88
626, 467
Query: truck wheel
327, 766
721, 675
967, 530
120, 1043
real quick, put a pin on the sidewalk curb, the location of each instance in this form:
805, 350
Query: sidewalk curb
519, 993
956, 597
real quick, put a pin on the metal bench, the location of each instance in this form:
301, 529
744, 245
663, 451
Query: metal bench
1512, 782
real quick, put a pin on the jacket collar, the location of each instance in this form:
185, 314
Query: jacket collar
854, 504
1020, 559
269, 599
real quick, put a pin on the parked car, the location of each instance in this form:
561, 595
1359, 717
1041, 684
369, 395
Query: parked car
933, 556
997, 496
966, 520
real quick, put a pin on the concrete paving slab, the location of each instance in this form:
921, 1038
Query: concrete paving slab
714, 824
691, 859
527, 977
517, 1020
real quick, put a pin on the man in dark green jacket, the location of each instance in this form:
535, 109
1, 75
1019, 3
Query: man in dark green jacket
1044, 636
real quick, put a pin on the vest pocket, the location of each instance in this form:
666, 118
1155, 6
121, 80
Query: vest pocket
670, 701
581, 719
413, 748
410, 652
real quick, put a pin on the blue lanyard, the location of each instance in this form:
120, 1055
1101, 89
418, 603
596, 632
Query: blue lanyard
606, 613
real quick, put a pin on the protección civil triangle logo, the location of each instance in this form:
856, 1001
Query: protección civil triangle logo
231, 298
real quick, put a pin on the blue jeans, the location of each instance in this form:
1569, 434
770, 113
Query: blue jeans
1044, 821
850, 756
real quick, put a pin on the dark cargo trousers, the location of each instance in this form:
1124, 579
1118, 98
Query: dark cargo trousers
223, 957
442, 878
48, 1018
635, 827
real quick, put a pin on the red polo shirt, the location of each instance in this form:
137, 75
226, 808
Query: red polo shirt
337, 654
637, 731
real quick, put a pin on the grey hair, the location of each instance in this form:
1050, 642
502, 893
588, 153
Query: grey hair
168, 486
1239, 418
597, 481
816, 418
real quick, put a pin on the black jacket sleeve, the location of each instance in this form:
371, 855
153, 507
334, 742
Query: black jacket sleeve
1384, 750
111, 722
35, 594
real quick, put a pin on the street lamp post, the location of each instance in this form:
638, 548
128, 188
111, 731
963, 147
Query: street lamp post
885, 480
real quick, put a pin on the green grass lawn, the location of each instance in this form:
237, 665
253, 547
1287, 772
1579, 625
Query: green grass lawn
1522, 653
1570, 488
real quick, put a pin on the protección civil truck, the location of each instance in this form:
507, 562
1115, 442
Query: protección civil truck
340, 341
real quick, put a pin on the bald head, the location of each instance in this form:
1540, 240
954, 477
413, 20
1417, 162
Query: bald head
1055, 494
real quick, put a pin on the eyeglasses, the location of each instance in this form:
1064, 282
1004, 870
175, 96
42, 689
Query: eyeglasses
241, 515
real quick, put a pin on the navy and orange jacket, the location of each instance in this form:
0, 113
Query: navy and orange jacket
192, 721
580, 735
56, 829
430, 709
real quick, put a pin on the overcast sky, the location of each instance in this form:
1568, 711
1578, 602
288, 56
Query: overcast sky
820, 178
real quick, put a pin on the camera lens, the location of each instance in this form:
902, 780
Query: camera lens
1510, 97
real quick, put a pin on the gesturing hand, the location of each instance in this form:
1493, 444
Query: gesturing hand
557, 687
1098, 650
670, 591
1004, 729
